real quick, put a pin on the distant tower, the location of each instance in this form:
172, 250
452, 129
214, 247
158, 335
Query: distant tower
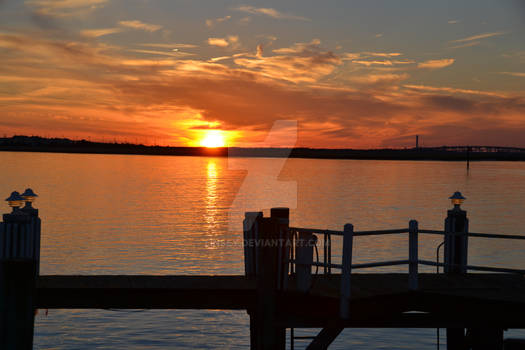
417, 141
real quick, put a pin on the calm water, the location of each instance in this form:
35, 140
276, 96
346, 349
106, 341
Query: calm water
112, 214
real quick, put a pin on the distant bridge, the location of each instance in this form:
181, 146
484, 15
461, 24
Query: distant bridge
476, 149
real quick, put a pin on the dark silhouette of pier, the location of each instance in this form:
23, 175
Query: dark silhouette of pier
280, 290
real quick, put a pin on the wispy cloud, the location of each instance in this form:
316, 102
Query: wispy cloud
478, 37
213, 21
65, 8
221, 58
376, 60
300, 63
271, 12
382, 54
170, 45
451, 90
435, 64
453, 21
135, 24
230, 40
467, 44
515, 74
374, 63
221, 42
95, 33
175, 53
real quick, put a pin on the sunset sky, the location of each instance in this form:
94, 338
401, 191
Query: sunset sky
354, 74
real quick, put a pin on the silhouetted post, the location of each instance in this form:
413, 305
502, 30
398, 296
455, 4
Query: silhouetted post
250, 229
268, 336
36, 226
456, 249
304, 255
456, 237
250, 236
413, 255
346, 262
19, 252
282, 215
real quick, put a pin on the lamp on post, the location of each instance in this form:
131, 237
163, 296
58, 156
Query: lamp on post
457, 199
29, 197
15, 200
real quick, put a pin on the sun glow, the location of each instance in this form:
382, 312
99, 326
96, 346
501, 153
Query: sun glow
213, 138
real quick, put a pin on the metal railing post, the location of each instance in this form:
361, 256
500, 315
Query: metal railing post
348, 242
413, 255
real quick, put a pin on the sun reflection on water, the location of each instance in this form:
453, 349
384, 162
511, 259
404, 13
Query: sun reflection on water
211, 214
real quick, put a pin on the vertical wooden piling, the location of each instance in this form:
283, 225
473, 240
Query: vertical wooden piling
413, 255
250, 230
282, 215
456, 251
250, 235
267, 335
348, 242
456, 241
304, 250
19, 250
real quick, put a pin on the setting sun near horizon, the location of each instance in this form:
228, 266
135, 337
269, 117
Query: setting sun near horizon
213, 139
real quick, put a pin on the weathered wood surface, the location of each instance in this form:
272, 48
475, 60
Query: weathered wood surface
377, 300
150, 292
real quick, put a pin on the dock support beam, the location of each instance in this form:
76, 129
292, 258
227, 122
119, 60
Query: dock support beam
19, 255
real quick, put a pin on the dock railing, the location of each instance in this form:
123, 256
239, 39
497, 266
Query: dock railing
346, 266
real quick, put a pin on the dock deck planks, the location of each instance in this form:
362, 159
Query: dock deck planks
378, 300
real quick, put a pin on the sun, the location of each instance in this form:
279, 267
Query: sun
213, 138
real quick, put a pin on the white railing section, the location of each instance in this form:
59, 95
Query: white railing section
300, 256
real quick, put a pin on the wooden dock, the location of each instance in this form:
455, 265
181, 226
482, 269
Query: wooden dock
378, 300
284, 287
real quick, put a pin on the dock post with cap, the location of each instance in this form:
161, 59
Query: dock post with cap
19, 256
456, 250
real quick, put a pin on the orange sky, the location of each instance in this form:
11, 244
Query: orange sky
106, 70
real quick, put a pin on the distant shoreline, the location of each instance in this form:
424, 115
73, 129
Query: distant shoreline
444, 153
